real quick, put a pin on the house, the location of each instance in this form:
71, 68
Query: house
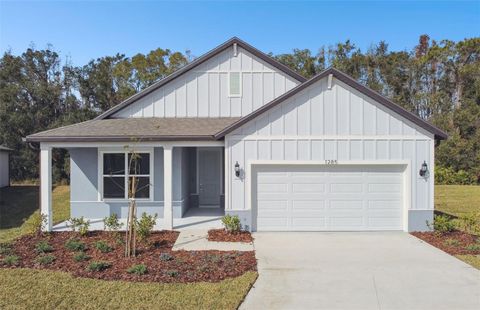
4, 166
237, 131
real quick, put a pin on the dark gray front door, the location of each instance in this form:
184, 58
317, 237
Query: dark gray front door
209, 170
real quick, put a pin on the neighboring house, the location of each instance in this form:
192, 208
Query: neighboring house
237, 130
4, 166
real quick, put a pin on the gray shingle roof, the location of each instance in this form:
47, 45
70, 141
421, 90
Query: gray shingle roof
144, 129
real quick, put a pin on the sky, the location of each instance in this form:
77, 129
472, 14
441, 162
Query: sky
85, 30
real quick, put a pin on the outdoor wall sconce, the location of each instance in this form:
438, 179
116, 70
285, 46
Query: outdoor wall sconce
424, 170
237, 170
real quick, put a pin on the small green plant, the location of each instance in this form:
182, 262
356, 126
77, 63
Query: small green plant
145, 225
442, 224
172, 273
138, 269
43, 247
5, 248
166, 257
37, 223
103, 246
232, 223
45, 259
11, 260
98, 266
473, 247
111, 223
80, 257
470, 222
75, 245
79, 224
451, 242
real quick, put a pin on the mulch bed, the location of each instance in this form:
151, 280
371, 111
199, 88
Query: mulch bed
454, 243
184, 266
221, 235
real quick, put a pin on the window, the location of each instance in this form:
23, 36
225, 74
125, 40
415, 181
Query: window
235, 84
120, 182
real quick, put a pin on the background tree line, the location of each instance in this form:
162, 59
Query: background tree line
439, 81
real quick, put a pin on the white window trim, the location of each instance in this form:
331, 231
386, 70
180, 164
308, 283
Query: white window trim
101, 152
240, 78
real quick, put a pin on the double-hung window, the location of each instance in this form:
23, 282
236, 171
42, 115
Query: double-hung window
124, 169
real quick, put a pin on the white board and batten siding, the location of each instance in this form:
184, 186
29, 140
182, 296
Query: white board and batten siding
341, 124
204, 90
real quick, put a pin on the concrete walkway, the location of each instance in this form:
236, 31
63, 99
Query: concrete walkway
358, 271
196, 240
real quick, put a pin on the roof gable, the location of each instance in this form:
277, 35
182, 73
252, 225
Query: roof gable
386, 103
199, 61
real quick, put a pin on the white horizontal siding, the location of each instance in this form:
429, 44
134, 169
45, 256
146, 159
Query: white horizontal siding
319, 124
203, 91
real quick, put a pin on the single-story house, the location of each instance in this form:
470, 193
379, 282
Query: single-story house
238, 131
4, 166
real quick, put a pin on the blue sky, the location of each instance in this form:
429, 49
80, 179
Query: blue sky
86, 30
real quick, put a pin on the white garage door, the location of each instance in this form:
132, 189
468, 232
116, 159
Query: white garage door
333, 198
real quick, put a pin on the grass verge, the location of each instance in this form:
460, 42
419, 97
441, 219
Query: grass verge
473, 260
58, 290
19, 203
457, 200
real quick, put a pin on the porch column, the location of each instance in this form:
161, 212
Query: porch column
167, 187
46, 185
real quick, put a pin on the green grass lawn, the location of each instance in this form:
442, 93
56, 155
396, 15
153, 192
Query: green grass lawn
19, 203
458, 200
42, 289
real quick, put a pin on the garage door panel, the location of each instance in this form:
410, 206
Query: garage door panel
346, 204
384, 188
347, 222
302, 198
309, 223
346, 188
313, 205
308, 188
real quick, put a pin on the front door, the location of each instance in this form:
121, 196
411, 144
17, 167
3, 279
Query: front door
209, 176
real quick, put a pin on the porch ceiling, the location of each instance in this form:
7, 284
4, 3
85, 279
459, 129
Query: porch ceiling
130, 129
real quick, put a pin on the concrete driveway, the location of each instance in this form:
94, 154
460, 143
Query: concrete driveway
358, 271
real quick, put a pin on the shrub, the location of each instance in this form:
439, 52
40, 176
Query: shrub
145, 225
80, 257
452, 242
43, 247
37, 223
232, 223
470, 222
111, 223
98, 266
442, 224
473, 247
75, 245
103, 247
5, 248
11, 260
448, 176
138, 269
172, 273
79, 224
166, 257
45, 259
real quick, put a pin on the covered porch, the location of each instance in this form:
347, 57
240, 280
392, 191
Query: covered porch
195, 218
181, 182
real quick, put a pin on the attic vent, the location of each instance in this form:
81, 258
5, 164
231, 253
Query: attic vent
235, 83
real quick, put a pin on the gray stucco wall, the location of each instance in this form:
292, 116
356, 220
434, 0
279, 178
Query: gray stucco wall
84, 186
4, 169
